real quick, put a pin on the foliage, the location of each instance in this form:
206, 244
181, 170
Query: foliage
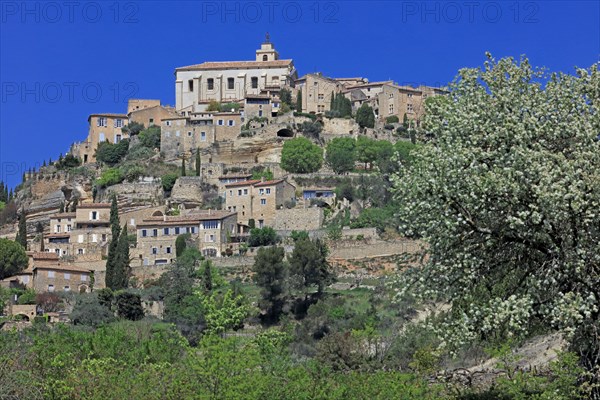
345, 190
365, 116
12, 258
28, 296
299, 101
285, 95
341, 154
229, 107
261, 172
311, 130
505, 197
168, 181
392, 119
109, 177
150, 137
375, 217
224, 312
299, 235
181, 243
262, 237
403, 150
89, 310
213, 106
21, 237
129, 306
112, 153
49, 302
299, 155
340, 106
270, 273
198, 163
69, 161
309, 266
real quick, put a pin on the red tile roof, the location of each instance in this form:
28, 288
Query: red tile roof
94, 205
189, 219
236, 65
45, 255
243, 183
269, 183
58, 235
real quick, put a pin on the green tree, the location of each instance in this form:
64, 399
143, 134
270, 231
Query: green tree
224, 312
183, 165
150, 137
270, 273
213, 105
22, 232
365, 117
181, 244
129, 306
507, 197
299, 102
285, 96
262, 236
299, 155
367, 150
111, 154
309, 265
89, 311
168, 181
198, 162
121, 262
207, 281
12, 258
340, 154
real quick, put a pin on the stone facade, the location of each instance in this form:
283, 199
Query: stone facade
298, 219
316, 92
102, 128
209, 230
258, 106
258, 200
152, 115
141, 104
197, 85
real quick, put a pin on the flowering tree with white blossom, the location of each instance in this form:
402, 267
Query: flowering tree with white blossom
506, 194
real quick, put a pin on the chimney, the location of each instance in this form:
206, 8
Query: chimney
262, 178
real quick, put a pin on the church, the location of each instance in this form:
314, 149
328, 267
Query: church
232, 81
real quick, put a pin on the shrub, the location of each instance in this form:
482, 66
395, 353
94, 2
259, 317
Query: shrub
365, 117
227, 107
262, 237
111, 176
392, 119
150, 137
246, 134
168, 181
311, 129
388, 127
299, 155
110, 153
307, 115
69, 161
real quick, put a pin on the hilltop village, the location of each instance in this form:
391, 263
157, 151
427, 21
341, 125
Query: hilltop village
210, 167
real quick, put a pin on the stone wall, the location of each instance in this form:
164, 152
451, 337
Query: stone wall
340, 126
188, 190
132, 195
298, 219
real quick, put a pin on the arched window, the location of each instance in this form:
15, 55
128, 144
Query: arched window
265, 58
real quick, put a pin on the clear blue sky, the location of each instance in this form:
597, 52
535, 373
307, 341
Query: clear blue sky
59, 63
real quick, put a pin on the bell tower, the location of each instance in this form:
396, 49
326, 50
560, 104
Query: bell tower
267, 52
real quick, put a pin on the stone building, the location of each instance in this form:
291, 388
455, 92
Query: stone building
258, 200
210, 230
316, 92
83, 235
102, 128
229, 81
151, 115
258, 106
51, 275
141, 104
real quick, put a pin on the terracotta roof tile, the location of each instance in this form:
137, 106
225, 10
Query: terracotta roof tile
236, 65
94, 205
243, 183
40, 255
192, 218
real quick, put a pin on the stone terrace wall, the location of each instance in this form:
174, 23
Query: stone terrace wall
298, 219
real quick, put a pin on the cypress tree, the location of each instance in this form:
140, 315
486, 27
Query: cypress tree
299, 102
74, 205
22, 233
111, 260
207, 276
198, 161
182, 165
11, 195
62, 207
121, 262
332, 104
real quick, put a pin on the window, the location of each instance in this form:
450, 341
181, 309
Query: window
193, 228
57, 229
154, 250
261, 223
51, 288
391, 95
320, 96
168, 250
165, 231
79, 238
154, 232
117, 138
391, 109
104, 237
69, 228
275, 78
150, 121
144, 233
210, 83
80, 251
50, 274
261, 191
268, 190
190, 134
67, 288
57, 251
190, 85
263, 202
101, 138
320, 108
409, 107
265, 58
220, 122
168, 123
94, 238
239, 192
230, 83
67, 275
83, 278
210, 224
260, 113
178, 133
94, 215
231, 122
118, 123
102, 121
177, 230
245, 192
209, 238
254, 82
203, 136
409, 95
